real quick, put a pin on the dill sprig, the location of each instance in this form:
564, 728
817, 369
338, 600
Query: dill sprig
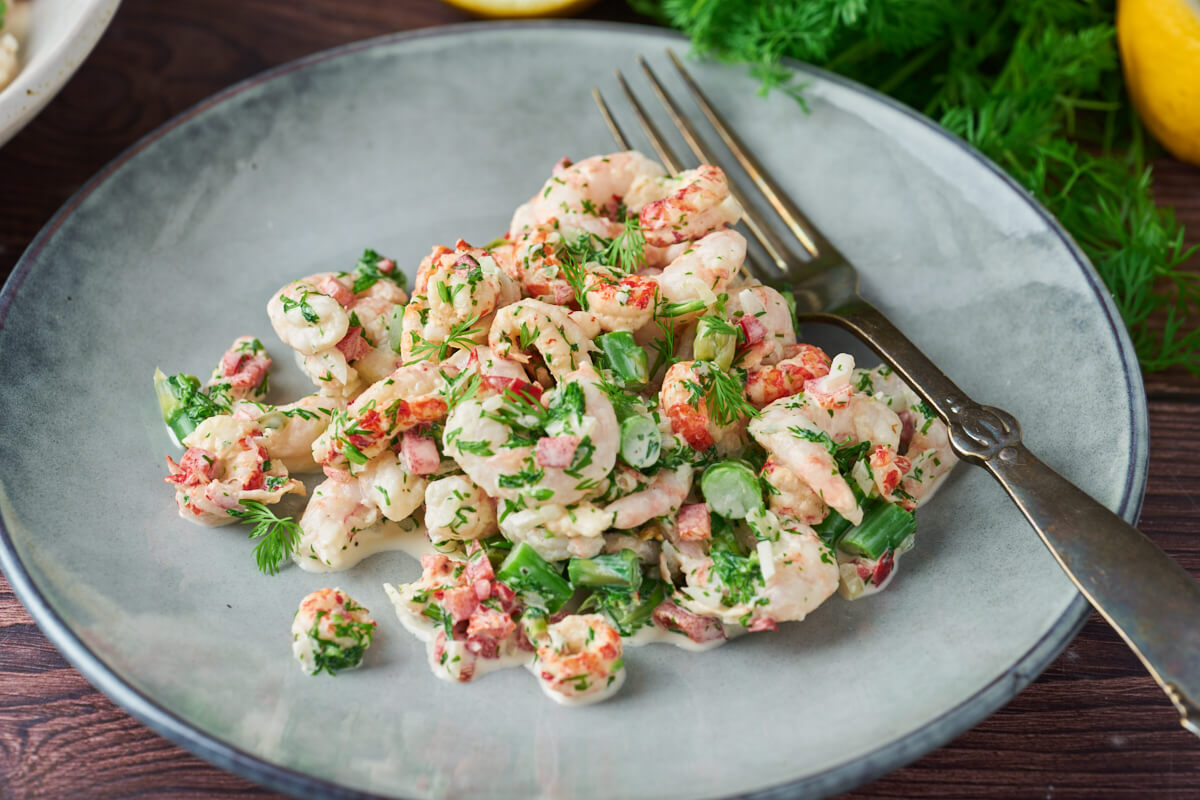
1034, 84
664, 345
628, 249
278, 536
725, 394
462, 336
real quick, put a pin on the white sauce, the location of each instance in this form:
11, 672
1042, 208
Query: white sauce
618, 680
407, 536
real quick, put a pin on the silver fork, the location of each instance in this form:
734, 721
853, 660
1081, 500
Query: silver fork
1149, 599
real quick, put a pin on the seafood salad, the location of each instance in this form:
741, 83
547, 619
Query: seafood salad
596, 431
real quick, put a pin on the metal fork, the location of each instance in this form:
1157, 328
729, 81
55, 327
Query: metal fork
1149, 599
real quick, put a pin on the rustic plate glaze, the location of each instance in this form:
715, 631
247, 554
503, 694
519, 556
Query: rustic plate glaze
411, 140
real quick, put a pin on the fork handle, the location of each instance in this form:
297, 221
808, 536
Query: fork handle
1149, 599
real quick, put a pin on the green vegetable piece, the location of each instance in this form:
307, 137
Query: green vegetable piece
731, 489
679, 309
627, 610
832, 528
716, 341
641, 443
611, 569
182, 402
626, 359
535, 579
884, 526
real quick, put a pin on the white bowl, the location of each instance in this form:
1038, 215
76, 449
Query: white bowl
60, 35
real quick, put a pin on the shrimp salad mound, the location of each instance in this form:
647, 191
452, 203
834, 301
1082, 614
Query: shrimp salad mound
596, 431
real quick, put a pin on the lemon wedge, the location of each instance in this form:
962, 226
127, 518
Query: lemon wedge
498, 9
1160, 53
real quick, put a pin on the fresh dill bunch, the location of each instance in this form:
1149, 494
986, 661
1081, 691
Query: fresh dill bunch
1034, 84
277, 536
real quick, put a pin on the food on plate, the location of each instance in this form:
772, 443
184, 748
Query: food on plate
595, 431
330, 632
13, 18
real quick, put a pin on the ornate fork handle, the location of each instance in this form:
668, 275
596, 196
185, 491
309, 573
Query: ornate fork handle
1150, 600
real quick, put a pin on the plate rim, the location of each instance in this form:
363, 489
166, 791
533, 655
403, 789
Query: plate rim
840, 777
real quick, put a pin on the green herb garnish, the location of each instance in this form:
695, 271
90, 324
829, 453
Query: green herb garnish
278, 536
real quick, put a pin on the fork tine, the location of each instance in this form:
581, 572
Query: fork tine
765, 235
665, 154
610, 121
800, 226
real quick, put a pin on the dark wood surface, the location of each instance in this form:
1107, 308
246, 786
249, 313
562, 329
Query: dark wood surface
1093, 726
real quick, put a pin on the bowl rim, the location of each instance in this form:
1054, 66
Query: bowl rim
36, 82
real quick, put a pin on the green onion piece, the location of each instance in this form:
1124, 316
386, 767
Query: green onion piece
884, 526
531, 576
627, 610
622, 569
534, 623
395, 328
679, 309
641, 442
716, 341
724, 537
731, 489
832, 528
174, 399
626, 359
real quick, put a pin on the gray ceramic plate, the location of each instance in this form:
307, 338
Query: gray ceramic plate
412, 140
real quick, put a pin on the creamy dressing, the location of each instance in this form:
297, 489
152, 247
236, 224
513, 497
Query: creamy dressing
618, 680
653, 634
407, 536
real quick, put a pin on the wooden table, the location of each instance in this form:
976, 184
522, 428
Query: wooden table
1093, 726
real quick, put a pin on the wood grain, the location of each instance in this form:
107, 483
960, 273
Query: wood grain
1094, 725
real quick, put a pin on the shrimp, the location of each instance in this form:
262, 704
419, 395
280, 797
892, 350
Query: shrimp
538, 267
662, 497
560, 339
557, 532
796, 442
348, 519
790, 496
683, 399
787, 575
586, 195
331, 524
801, 431
579, 659
704, 269
226, 463
308, 320
924, 439
463, 287
766, 322
332, 327
288, 431
242, 371
519, 450
330, 632
698, 203
620, 302
461, 612
408, 397
391, 486
802, 362
457, 509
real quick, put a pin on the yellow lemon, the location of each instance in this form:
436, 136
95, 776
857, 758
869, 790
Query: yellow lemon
521, 8
1160, 51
